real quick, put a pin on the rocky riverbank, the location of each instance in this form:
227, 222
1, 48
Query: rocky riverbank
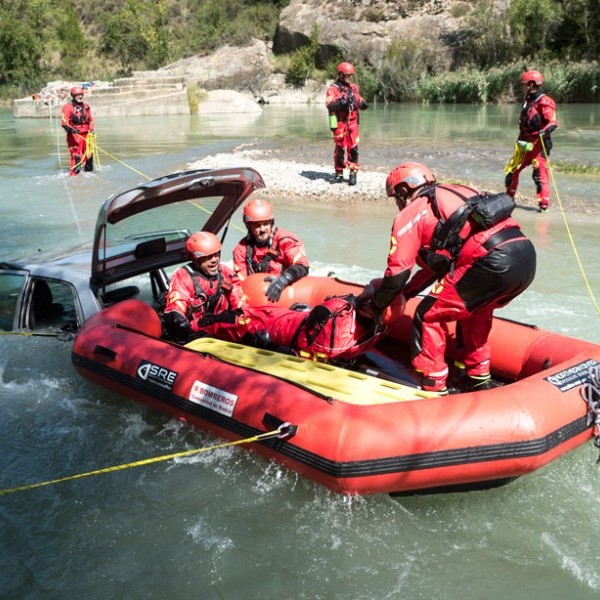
308, 178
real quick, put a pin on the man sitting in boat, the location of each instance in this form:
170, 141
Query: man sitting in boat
204, 295
269, 249
477, 253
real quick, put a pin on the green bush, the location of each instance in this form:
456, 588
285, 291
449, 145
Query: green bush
301, 68
405, 63
303, 61
565, 82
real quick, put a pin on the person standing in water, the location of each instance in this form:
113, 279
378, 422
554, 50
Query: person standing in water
78, 122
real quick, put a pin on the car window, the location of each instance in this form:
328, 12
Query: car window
169, 223
10, 289
52, 306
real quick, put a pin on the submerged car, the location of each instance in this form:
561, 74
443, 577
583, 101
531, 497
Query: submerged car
139, 238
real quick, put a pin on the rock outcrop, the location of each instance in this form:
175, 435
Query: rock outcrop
230, 67
365, 29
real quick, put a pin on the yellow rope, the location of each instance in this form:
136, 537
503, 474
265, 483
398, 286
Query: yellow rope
91, 149
96, 147
280, 432
562, 212
121, 162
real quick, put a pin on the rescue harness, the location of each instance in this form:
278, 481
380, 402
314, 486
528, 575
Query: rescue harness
202, 300
261, 266
484, 210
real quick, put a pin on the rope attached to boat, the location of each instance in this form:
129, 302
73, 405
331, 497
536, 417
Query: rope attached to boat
283, 431
590, 392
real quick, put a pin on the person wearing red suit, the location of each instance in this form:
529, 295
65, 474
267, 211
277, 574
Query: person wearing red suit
536, 122
204, 295
343, 101
474, 270
269, 249
78, 122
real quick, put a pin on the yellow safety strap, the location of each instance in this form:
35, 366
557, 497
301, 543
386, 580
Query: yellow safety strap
517, 158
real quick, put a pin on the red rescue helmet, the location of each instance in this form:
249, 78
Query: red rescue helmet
410, 175
534, 77
76, 91
202, 244
258, 210
345, 68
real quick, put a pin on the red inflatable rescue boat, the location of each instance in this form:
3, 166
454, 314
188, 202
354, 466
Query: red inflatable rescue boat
358, 430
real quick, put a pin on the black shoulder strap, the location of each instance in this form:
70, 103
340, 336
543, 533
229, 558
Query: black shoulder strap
194, 274
446, 234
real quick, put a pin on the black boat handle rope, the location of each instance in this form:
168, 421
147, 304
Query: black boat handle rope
590, 392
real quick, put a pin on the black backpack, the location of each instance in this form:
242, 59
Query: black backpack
485, 210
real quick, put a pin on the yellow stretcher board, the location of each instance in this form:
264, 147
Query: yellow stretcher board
341, 384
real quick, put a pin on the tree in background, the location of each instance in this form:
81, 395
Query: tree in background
73, 45
534, 25
24, 33
123, 35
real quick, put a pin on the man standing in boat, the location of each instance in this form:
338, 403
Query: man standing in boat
536, 122
343, 101
474, 270
203, 295
78, 122
269, 249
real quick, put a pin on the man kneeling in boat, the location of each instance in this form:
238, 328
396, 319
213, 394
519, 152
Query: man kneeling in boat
203, 295
473, 252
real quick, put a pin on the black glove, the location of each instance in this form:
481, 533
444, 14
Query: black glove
363, 105
369, 310
545, 135
178, 328
277, 285
71, 130
227, 316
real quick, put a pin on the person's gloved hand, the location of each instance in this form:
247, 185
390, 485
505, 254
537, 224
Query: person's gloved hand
71, 130
276, 286
546, 139
369, 310
178, 328
363, 105
227, 316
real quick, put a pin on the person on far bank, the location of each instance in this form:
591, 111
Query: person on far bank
343, 101
269, 249
78, 122
474, 270
536, 123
